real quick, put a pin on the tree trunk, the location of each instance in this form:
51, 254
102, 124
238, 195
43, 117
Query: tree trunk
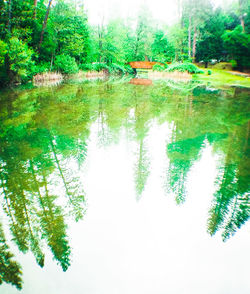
179, 8
242, 22
189, 37
51, 62
35, 5
194, 43
44, 25
100, 42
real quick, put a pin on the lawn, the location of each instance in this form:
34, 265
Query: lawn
222, 78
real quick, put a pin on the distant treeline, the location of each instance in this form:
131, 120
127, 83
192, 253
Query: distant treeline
40, 36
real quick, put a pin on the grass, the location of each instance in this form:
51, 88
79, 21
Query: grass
221, 78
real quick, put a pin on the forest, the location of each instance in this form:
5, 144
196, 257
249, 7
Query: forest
44, 36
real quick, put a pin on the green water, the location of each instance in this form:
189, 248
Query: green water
54, 143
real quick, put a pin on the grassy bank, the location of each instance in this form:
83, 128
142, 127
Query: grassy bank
222, 78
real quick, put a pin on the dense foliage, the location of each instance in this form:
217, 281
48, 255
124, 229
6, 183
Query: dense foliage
184, 67
44, 35
159, 67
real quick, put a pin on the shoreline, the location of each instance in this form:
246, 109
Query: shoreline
218, 77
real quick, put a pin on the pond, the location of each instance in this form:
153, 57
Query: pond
124, 187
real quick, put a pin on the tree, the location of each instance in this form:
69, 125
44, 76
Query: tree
19, 58
210, 44
143, 35
195, 13
3, 51
243, 4
35, 7
70, 31
44, 24
16, 30
237, 44
177, 38
162, 49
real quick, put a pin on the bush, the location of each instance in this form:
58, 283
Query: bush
129, 70
234, 63
120, 69
159, 67
3, 51
100, 66
86, 67
20, 58
66, 64
94, 66
117, 69
113, 68
209, 72
185, 67
41, 68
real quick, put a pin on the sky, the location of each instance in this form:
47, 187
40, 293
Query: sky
162, 10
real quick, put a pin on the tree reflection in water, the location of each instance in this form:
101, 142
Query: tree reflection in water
44, 130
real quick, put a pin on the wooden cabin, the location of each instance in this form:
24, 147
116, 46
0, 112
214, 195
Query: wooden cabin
143, 64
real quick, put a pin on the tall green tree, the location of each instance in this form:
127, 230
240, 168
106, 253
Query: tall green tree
143, 35
195, 13
44, 24
162, 49
210, 43
237, 44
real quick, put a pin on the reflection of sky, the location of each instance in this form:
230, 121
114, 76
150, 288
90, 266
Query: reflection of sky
151, 246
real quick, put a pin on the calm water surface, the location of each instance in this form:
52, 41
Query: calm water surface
117, 187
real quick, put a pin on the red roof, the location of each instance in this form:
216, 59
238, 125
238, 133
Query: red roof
143, 64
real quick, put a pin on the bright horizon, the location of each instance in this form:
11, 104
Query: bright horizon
162, 10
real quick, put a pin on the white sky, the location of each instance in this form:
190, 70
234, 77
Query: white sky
162, 10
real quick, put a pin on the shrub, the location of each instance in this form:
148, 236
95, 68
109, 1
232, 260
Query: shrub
120, 69
209, 72
182, 67
95, 67
3, 51
86, 67
20, 58
113, 68
234, 63
66, 64
117, 69
100, 66
129, 70
159, 67
41, 68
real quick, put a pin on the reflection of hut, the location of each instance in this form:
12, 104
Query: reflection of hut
145, 82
